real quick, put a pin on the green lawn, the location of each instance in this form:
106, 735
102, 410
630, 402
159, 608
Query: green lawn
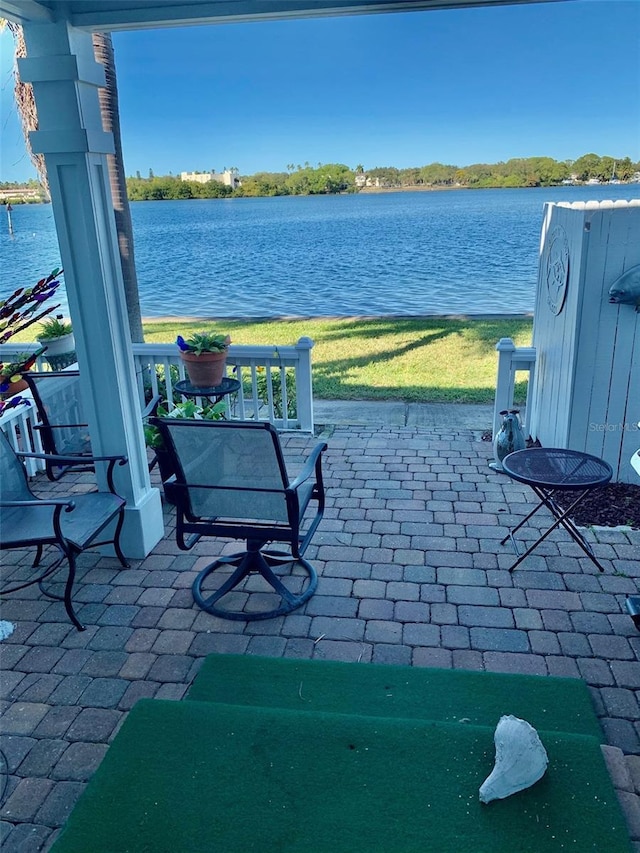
412, 359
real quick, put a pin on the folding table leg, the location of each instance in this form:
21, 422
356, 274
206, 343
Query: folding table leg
567, 523
562, 518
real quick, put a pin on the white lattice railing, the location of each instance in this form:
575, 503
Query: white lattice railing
275, 386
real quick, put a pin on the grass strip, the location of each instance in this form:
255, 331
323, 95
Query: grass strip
424, 360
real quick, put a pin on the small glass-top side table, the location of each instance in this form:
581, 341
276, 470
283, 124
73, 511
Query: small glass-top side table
215, 393
546, 470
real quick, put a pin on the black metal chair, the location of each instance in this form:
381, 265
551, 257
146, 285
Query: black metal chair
231, 481
63, 426
72, 523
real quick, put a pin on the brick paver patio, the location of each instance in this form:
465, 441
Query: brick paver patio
411, 572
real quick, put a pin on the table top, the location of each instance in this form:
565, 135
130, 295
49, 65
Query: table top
557, 468
227, 386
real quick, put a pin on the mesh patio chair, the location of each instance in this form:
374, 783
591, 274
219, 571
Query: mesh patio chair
231, 481
72, 523
63, 426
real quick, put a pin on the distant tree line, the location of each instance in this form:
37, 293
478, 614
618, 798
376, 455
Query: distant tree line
330, 178
327, 178
169, 187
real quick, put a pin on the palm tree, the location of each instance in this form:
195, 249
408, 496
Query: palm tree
103, 50
26, 103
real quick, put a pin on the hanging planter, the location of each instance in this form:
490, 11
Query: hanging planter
205, 358
57, 336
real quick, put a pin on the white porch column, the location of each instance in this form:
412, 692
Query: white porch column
60, 64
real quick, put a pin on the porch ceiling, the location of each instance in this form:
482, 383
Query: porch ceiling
141, 14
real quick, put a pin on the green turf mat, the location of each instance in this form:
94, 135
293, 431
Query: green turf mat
481, 698
192, 776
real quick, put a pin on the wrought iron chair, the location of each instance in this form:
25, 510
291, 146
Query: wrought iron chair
70, 523
63, 426
231, 481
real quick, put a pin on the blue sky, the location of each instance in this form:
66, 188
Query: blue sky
455, 86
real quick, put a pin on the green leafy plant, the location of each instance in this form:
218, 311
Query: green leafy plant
161, 372
12, 371
200, 342
54, 327
188, 409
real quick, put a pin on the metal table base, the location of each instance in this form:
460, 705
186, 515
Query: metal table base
562, 519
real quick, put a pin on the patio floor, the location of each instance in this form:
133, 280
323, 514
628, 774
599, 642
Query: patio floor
411, 572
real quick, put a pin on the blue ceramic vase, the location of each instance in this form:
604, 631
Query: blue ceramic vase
509, 437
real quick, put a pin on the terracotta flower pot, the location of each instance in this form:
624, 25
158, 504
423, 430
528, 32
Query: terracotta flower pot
206, 370
16, 388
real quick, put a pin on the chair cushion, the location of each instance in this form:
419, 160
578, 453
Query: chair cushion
32, 525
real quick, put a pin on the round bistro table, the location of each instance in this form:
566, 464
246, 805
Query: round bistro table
215, 393
546, 470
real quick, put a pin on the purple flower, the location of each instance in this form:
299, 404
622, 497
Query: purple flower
12, 403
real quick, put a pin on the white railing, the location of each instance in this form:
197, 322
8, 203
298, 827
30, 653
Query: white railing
17, 424
275, 381
275, 386
510, 360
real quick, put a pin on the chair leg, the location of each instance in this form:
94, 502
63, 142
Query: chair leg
68, 606
39, 552
116, 541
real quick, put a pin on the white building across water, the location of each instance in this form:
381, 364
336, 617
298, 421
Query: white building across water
228, 178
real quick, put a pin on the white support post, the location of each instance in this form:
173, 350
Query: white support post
504, 380
66, 77
510, 360
304, 388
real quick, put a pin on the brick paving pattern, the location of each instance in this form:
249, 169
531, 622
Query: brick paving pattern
411, 571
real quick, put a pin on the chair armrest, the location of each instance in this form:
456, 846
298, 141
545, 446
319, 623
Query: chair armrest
71, 459
310, 465
64, 502
75, 460
60, 426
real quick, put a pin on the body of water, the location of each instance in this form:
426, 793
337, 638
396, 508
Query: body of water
408, 253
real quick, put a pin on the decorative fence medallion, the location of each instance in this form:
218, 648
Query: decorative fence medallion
557, 271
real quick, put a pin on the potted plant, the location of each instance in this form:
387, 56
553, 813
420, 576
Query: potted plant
11, 378
205, 356
56, 334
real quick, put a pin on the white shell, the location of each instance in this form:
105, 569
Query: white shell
521, 760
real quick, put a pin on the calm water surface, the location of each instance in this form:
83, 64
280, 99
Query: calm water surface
448, 252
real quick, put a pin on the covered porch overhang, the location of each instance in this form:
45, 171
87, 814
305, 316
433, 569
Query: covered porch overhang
65, 76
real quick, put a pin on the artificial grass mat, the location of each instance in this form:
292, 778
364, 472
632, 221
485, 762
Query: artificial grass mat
480, 698
198, 776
